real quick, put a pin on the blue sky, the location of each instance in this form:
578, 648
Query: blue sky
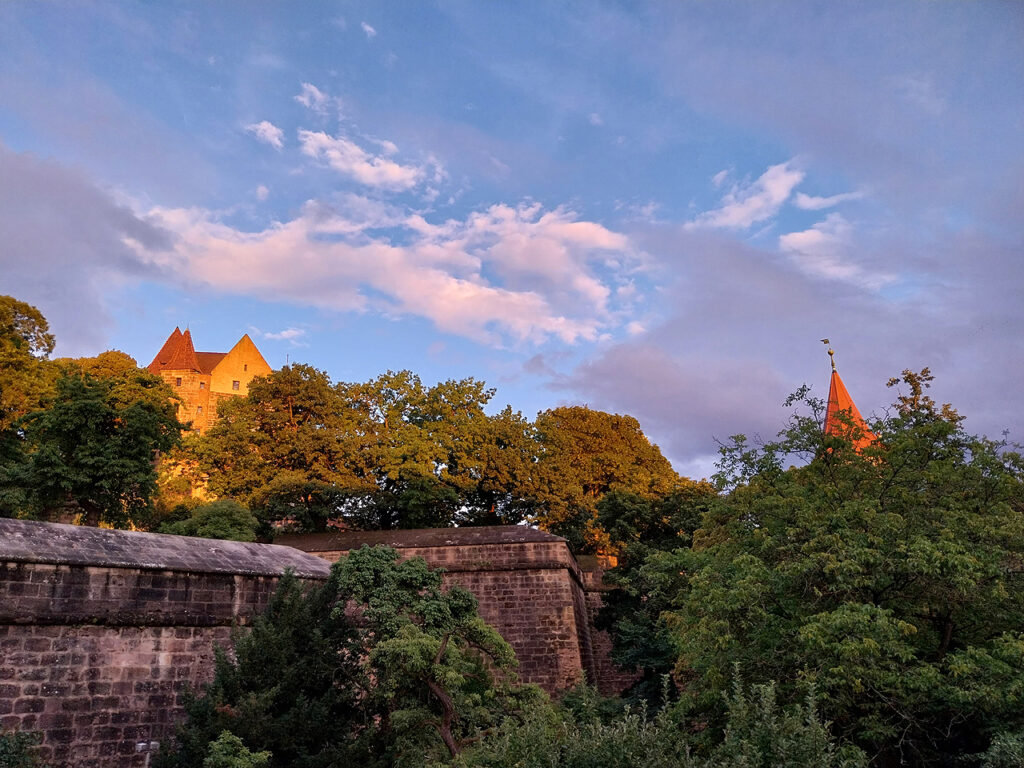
650, 208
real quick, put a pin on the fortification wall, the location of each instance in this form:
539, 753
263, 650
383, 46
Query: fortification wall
101, 631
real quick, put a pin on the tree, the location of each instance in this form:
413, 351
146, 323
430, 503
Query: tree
377, 667
25, 378
221, 519
890, 577
385, 453
94, 446
586, 454
643, 531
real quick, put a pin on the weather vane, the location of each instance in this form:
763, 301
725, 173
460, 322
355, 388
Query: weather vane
831, 352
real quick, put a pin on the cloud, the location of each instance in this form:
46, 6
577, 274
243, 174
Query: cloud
68, 245
370, 31
349, 159
746, 205
312, 98
267, 132
288, 334
822, 251
595, 119
262, 193
519, 274
809, 203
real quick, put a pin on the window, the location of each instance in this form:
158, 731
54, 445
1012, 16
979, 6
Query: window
199, 410
245, 366
202, 385
177, 382
234, 385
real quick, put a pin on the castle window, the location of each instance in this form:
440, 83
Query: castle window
199, 410
177, 382
234, 385
202, 385
245, 366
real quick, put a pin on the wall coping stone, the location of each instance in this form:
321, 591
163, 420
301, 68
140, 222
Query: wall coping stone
28, 541
417, 537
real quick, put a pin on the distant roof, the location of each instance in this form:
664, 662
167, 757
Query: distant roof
208, 360
419, 537
33, 542
178, 354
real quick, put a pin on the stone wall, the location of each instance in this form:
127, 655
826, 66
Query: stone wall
101, 631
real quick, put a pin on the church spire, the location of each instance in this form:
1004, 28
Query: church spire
842, 413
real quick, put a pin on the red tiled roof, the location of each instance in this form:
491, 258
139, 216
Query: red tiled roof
184, 356
166, 351
208, 360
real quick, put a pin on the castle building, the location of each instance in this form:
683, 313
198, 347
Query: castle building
203, 379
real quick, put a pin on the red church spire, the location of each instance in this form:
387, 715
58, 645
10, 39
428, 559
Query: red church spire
842, 414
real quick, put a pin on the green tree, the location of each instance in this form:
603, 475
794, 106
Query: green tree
228, 751
643, 531
94, 446
385, 453
890, 577
26, 380
586, 454
378, 666
221, 519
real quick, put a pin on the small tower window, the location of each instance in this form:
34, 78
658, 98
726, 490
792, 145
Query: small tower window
202, 385
245, 366
199, 410
177, 382
234, 385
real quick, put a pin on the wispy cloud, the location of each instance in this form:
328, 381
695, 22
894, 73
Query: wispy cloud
288, 334
595, 119
754, 202
349, 159
822, 251
312, 98
509, 273
810, 203
262, 193
370, 31
267, 132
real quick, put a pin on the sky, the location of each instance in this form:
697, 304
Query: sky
657, 208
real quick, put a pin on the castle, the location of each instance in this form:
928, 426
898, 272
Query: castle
203, 379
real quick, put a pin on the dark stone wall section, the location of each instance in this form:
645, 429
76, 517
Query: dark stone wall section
101, 631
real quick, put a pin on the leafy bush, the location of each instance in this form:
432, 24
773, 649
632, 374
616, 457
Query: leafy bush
228, 751
17, 750
758, 734
221, 519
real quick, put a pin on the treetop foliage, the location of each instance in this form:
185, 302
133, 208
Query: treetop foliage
890, 577
394, 453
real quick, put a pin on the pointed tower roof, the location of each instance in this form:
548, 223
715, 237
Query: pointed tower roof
184, 356
166, 351
842, 410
